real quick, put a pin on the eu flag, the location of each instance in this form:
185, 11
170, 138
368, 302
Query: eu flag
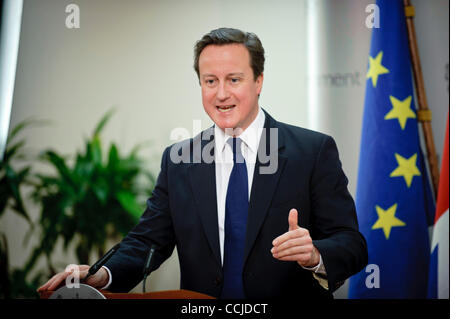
393, 197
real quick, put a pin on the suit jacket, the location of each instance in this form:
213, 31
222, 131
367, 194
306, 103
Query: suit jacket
183, 212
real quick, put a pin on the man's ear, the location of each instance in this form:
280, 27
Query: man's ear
259, 82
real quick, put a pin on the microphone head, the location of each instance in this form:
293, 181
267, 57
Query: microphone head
95, 267
149, 260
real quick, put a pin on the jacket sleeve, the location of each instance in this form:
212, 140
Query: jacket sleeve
335, 225
154, 227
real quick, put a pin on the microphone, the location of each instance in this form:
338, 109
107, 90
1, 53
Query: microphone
147, 266
95, 267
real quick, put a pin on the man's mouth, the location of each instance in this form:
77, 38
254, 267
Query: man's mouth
225, 108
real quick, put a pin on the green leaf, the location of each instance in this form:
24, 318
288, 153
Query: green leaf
14, 181
101, 190
103, 122
95, 148
60, 165
23, 124
128, 202
11, 150
83, 169
113, 157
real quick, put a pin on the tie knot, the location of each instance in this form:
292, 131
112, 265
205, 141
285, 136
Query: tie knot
235, 144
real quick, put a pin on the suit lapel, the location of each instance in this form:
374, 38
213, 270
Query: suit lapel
202, 178
263, 185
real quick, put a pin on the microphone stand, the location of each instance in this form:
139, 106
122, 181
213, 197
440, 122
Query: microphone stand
147, 268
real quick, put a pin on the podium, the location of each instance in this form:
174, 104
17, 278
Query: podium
165, 294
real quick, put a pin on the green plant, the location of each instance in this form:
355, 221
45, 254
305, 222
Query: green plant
13, 283
91, 200
10, 178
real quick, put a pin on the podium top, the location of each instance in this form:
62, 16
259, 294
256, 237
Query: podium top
165, 294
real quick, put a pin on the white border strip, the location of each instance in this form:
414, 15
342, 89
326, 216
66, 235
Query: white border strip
9, 49
312, 61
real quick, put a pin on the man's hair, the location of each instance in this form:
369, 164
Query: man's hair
224, 36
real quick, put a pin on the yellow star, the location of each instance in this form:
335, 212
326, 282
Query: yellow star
406, 167
387, 220
375, 68
401, 110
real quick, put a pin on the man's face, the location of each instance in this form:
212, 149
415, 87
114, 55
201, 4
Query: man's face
229, 90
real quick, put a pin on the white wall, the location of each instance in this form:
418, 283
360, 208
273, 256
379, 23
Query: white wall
137, 55
432, 33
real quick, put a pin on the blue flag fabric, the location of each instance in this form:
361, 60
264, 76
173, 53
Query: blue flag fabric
393, 197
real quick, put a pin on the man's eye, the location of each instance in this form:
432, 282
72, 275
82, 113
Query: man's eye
234, 80
209, 82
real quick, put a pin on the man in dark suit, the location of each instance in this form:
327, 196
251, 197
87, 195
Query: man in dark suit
255, 207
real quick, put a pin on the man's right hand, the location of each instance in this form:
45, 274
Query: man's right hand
98, 280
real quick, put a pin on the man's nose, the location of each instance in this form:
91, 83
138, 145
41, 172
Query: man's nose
222, 92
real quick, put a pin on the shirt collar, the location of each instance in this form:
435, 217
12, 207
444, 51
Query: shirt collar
250, 136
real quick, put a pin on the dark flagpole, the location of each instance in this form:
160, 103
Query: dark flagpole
423, 113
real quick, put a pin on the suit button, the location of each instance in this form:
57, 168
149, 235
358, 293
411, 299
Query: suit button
217, 281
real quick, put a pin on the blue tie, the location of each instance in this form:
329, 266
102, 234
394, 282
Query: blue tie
236, 211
